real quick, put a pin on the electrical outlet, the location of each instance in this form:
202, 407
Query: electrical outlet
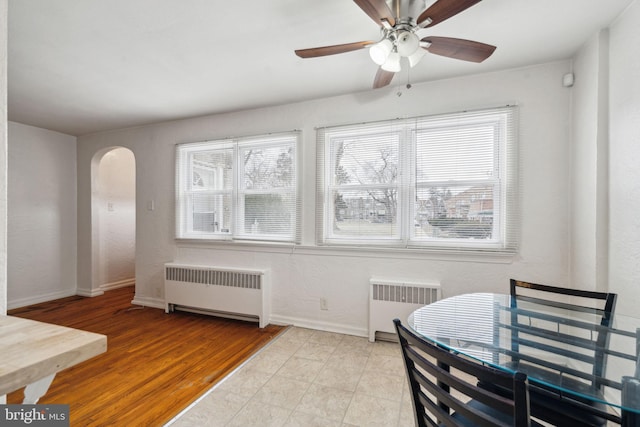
324, 305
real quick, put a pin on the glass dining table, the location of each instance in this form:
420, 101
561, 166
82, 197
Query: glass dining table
556, 349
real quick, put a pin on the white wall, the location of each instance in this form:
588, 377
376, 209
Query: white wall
116, 194
589, 165
301, 276
624, 186
3, 159
42, 237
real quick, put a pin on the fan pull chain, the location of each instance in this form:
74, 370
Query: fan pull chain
408, 85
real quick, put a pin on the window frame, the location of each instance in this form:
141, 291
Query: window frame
235, 189
503, 183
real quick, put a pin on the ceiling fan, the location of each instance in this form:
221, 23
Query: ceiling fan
403, 24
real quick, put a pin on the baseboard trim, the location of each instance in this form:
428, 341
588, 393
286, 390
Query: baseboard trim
89, 292
23, 302
318, 325
148, 302
119, 284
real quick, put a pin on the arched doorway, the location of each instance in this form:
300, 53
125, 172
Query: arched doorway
113, 219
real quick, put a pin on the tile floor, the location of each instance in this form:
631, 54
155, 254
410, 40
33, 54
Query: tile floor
310, 378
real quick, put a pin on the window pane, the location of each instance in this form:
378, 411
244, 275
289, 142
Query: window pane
212, 169
365, 213
211, 213
454, 212
268, 167
464, 153
366, 161
271, 214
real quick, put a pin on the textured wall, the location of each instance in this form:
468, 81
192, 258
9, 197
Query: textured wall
624, 188
3, 157
590, 168
42, 237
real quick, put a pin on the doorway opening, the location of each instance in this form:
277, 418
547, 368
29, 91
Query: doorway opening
113, 219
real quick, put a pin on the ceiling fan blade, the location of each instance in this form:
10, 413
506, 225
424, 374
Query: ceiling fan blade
444, 9
332, 50
383, 78
378, 10
467, 50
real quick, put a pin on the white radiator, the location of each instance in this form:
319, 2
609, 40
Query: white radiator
389, 299
226, 292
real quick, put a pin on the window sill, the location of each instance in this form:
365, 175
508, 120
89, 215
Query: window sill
491, 257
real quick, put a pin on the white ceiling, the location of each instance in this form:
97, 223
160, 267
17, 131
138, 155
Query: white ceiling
84, 66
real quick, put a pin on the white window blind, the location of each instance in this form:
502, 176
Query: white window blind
446, 181
241, 189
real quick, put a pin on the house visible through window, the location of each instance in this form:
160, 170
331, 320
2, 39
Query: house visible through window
238, 189
446, 181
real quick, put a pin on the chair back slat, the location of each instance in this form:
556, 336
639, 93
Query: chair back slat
445, 391
582, 337
602, 303
561, 336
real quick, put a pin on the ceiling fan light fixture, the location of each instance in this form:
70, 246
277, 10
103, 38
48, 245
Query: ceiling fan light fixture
408, 43
392, 63
403, 36
379, 52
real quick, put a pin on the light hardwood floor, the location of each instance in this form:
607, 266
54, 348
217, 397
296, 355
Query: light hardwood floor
155, 364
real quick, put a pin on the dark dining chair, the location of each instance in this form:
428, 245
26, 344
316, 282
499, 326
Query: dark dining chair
539, 335
444, 387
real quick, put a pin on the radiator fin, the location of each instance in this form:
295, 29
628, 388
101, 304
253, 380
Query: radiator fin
390, 299
234, 279
403, 293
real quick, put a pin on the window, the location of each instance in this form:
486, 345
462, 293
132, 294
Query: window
446, 181
241, 189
